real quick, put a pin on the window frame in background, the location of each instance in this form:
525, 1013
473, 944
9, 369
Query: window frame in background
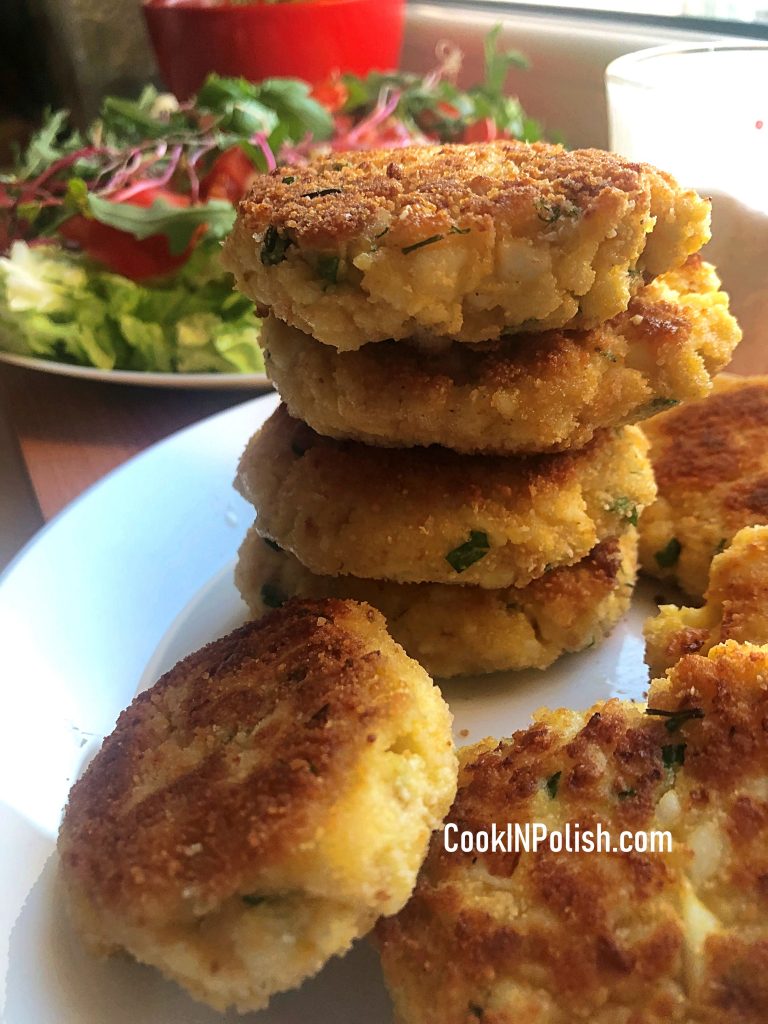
676, 23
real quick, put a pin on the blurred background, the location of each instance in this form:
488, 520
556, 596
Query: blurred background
70, 53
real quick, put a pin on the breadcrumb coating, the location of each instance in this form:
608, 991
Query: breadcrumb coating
420, 515
261, 805
710, 458
524, 394
458, 242
676, 937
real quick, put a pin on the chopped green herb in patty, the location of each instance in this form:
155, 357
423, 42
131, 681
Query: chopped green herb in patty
471, 551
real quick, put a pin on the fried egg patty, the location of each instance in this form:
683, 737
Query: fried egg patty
261, 805
678, 937
420, 515
458, 242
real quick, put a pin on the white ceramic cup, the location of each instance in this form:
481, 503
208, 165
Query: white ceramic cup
701, 112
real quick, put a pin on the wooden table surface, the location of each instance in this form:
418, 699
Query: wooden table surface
59, 435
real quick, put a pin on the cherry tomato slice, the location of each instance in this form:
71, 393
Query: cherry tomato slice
332, 93
119, 251
481, 131
230, 176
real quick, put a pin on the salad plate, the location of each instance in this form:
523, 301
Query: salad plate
144, 378
132, 576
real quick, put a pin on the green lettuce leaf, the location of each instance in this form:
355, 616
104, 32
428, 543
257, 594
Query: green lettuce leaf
178, 224
43, 148
56, 305
280, 108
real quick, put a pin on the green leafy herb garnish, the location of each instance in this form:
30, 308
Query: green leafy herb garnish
273, 249
490, 99
252, 899
607, 355
552, 784
289, 180
43, 149
455, 230
283, 108
551, 212
673, 755
439, 107
420, 245
178, 225
669, 555
626, 509
322, 192
675, 719
271, 596
471, 551
655, 406
328, 267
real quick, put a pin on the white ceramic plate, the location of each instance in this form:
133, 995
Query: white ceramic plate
145, 379
131, 577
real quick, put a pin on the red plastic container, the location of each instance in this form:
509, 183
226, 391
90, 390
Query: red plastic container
306, 39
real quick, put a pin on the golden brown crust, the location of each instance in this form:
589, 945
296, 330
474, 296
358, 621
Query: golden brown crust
458, 242
258, 808
307, 674
711, 463
344, 508
528, 393
648, 939
718, 433
419, 190
466, 630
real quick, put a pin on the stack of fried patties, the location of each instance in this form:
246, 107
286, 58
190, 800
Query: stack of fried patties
462, 337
